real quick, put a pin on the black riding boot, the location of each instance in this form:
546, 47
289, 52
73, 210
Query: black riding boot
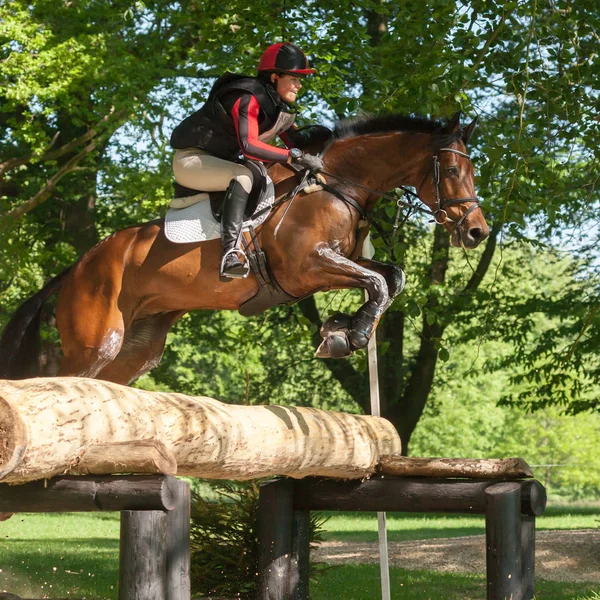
232, 218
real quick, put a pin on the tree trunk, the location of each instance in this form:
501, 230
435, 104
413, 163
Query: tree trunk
407, 412
53, 426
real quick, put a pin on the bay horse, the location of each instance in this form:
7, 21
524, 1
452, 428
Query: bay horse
118, 302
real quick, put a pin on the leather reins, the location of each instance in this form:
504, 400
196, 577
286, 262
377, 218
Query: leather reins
440, 200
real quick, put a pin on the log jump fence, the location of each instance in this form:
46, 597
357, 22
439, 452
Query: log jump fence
74, 444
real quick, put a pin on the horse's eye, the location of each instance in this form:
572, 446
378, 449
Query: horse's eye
453, 171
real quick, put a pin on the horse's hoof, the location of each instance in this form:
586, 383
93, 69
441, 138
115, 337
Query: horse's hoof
334, 346
358, 339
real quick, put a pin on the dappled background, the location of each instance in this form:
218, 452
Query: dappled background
485, 354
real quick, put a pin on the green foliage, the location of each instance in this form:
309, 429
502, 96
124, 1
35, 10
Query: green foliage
224, 540
89, 93
463, 419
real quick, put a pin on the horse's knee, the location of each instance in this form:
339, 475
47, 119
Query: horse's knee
379, 289
396, 281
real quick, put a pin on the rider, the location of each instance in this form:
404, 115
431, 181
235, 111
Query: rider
240, 115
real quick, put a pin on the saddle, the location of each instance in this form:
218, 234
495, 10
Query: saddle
259, 188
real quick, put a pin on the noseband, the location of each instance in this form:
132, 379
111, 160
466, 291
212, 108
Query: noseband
441, 202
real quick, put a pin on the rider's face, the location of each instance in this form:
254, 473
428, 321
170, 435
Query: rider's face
288, 86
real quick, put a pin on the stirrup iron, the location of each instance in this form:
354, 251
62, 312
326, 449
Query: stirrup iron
230, 276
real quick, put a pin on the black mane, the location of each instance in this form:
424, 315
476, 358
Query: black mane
365, 125
370, 125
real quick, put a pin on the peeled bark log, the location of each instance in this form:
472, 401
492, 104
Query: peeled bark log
52, 426
488, 468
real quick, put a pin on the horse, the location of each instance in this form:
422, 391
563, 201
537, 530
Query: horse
117, 303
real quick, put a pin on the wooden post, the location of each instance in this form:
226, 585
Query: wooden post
528, 555
143, 555
299, 575
503, 541
178, 545
275, 517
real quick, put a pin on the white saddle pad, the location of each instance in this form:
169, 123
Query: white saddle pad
196, 223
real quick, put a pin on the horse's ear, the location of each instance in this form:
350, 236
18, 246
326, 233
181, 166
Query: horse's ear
454, 123
468, 131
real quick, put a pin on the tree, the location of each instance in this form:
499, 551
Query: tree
87, 102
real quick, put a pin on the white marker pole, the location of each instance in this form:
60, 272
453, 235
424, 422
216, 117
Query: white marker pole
368, 252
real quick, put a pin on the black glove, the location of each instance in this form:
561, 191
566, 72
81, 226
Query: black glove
309, 161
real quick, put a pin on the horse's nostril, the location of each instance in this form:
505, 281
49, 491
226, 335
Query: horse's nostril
476, 233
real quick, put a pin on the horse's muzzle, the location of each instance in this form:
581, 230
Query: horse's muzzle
469, 236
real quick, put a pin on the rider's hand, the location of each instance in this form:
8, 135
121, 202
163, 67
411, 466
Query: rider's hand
309, 161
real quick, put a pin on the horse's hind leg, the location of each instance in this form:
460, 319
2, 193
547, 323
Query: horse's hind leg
142, 348
90, 323
85, 352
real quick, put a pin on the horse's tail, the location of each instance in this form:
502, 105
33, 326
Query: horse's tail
20, 344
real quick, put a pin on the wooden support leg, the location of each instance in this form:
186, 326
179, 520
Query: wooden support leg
528, 555
503, 541
143, 556
300, 555
178, 545
275, 516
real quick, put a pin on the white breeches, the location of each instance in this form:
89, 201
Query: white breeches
198, 170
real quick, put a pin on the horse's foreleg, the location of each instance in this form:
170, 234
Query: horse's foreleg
342, 334
394, 276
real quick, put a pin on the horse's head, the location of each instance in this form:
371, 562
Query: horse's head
448, 187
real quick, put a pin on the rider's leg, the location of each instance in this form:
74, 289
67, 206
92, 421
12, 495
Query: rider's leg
234, 205
195, 169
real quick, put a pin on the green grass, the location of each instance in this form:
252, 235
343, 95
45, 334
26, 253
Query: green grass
55, 555
362, 527
361, 582
76, 555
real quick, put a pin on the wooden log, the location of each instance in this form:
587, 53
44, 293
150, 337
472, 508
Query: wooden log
178, 545
48, 426
383, 493
486, 468
299, 573
275, 532
71, 493
145, 456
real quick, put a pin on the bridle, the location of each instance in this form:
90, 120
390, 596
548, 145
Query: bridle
440, 216
441, 202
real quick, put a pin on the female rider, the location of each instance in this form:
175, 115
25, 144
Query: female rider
241, 114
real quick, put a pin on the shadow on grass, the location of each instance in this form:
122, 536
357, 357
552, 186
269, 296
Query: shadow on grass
58, 569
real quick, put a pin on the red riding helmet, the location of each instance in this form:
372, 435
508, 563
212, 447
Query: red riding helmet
284, 57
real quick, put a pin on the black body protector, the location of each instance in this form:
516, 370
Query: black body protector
212, 129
